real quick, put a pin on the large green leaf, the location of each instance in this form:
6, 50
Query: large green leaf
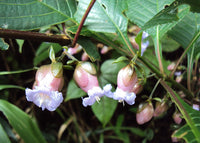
106, 16
22, 123
33, 14
3, 136
190, 131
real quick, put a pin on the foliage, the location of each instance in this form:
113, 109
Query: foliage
116, 26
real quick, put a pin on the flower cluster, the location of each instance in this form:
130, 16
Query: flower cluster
48, 82
85, 77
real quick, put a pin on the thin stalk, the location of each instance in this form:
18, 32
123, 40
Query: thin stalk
156, 85
158, 50
82, 22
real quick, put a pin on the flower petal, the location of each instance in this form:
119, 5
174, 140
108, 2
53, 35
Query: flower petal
44, 98
107, 90
121, 95
88, 101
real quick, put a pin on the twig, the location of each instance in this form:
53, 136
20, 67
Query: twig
82, 22
27, 35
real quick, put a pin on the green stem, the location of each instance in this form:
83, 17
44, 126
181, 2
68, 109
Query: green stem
150, 97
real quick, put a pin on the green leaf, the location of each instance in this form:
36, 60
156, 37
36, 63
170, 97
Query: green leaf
141, 11
73, 91
33, 14
168, 44
11, 86
190, 131
90, 49
186, 29
42, 53
106, 16
3, 136
104, 110
22, 123
167, 15
3, 45
109, 70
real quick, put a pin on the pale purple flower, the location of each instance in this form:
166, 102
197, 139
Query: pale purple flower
48, 82
195, 107
126, 79
44, 98
145, 44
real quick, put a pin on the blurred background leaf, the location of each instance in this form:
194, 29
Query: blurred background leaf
22, 123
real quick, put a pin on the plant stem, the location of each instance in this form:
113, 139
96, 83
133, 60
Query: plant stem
82, 22
27, 35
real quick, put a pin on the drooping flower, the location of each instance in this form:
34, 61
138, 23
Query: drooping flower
145, 113
161, 107
48, 82
85, 77
126, 79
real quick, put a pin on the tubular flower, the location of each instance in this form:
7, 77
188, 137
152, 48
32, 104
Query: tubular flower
48, 82
126, 80
85, 77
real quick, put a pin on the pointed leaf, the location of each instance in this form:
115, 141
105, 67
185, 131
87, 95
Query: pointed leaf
22, 123
33, 14
106, 16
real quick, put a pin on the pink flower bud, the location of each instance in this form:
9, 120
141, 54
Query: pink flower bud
177, 117
137, 88
171, 66
75, 50
84, 56
161, 107
48, 81
145, 113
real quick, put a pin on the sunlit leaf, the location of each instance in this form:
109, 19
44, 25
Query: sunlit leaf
33, 14
106, 16
22, 123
